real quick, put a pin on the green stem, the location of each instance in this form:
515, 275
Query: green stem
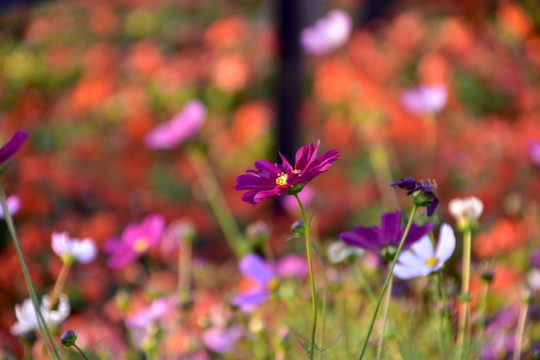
184, 272
324, 304
43, 328
385, 316
518, 338
444, 314
217, 201
312, 279
464, 310
59, 285
483, 306
387, 281
80, 351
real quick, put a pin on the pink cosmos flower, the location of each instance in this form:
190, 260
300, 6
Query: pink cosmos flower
181, 127
13, 204
328, 33
136, 240
271, 179
157, 310
426, 99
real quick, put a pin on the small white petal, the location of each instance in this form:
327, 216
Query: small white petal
423, 248
86, 251
446, 245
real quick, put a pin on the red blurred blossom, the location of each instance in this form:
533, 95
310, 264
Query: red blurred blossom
506, 235
226, 33
231, 72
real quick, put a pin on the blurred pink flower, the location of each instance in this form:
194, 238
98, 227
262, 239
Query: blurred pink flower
327, 33
13, 204
534, 152
426, 99
306, 196
181, 127
222, 340
157, 310
136, 240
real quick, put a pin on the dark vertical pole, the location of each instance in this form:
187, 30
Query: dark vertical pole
290, 75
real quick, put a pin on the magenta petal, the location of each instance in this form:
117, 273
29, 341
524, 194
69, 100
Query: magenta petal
391, 226
11, 147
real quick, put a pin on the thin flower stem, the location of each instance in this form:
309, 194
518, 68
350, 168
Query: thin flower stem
387, 281
518, 338
464, 310
184, 272
59, 285
80, 351
324, 304
483, 306
312, 279
360, 275
217, 201
444, 314
43, 328
385, 316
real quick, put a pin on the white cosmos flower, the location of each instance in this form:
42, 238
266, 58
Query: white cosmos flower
338, 251
27, 319
466, 210
421, 259
71, 250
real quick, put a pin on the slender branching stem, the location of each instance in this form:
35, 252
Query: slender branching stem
217, 201
43, 328
385, 316
483, 307
59, 285
464, 309
311, 277
80, 351
184, 272
520, 328
387, 281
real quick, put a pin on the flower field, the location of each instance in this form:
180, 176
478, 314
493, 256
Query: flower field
178, 181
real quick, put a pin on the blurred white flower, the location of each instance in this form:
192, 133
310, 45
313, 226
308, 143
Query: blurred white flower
421, 259
13, 203
71, 250
327, 33
27, 319
338, 251
466, 210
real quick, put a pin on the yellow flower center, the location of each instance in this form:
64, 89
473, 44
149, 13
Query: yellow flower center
431, 262
273, 285
141, 245
281, 179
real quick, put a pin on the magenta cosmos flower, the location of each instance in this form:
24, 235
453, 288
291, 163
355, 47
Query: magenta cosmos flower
183, 126
384, 239
136, 240
11, 147
272, 179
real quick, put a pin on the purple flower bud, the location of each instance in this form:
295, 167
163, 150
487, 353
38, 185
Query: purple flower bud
11, 147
